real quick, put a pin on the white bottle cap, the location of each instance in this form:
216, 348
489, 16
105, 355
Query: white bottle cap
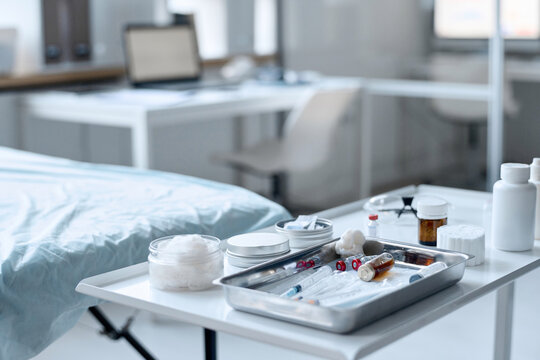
515, 173
535, 169
432, 209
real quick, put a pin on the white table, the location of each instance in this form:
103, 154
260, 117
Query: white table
130, 287
142, 110
141, 117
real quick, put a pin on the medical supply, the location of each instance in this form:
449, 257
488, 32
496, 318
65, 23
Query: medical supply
327, 285
353, 298
351, 243
308, 281
375, 268
353, 262
432, 213
184, 262
514, 202
535, 179
255, 248
303, 222
428, 271
373, 225
305, 231
391, 208
417, 258
469, 239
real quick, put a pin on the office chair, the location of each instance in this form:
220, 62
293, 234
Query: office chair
309, 131
472, 114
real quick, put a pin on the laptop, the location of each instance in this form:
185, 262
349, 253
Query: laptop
165, 57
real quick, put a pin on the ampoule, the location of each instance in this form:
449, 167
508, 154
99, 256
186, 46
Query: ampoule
375, 268
353, 262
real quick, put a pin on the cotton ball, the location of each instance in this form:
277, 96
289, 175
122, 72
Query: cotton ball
351, 243
186, 262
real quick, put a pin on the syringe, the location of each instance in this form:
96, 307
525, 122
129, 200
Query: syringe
308, 281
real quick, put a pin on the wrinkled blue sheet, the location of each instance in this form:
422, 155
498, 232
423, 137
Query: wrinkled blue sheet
62, 221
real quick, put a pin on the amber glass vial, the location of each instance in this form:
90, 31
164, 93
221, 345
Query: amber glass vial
427, 231
374, 269
432, 213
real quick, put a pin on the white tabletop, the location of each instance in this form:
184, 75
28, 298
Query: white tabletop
129, 286
114, 107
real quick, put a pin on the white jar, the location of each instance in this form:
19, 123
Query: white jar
535, 179
192, 266
514, 198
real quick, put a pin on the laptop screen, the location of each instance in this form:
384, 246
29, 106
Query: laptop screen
156, 54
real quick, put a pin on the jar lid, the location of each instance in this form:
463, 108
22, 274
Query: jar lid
515, 173
432, 208
257, 244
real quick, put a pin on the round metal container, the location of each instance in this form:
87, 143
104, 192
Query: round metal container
251, 249
301, 239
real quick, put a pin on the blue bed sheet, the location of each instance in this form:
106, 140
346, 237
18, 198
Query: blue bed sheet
62, 221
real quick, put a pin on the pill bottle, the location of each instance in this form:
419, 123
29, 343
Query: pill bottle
193, 267
432, 213
535, 179
514, 202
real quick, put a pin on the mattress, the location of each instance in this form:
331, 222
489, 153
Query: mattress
62, 221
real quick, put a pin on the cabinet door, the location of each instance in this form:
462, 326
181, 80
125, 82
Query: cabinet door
65, 30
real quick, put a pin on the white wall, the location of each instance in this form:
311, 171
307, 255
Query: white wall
25, 16
374, 39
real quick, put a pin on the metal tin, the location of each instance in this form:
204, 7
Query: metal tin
302, 239
325, 223
257, 245
242, 294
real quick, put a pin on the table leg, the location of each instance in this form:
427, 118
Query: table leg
141, 145
210, 349
366, 134
238, 136
503, 322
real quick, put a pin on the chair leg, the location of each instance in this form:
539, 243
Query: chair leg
279, 188
474, 174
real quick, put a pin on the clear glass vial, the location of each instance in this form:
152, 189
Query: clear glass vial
179, 270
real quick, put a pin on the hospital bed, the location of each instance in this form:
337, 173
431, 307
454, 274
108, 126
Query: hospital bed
62, 221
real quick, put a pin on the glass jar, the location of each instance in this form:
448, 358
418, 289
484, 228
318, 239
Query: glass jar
185, 269
432, 214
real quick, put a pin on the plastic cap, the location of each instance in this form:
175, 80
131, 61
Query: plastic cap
535, 169
515, 173
432, 208
366, 272
373, 217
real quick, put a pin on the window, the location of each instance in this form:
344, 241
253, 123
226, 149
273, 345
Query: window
212, 27
210, 23
265, 27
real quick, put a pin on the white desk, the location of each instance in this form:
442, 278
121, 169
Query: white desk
130, 287
129, 110
143, 116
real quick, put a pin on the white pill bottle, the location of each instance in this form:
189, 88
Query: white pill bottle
514, 202
535, 179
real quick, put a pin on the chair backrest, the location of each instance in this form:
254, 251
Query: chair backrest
465, 69
310, 128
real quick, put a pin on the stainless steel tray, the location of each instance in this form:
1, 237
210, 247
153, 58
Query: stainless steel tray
247, 290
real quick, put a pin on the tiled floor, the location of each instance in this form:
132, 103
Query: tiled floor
464, 334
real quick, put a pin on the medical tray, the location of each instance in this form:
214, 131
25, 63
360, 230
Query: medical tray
248, 290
